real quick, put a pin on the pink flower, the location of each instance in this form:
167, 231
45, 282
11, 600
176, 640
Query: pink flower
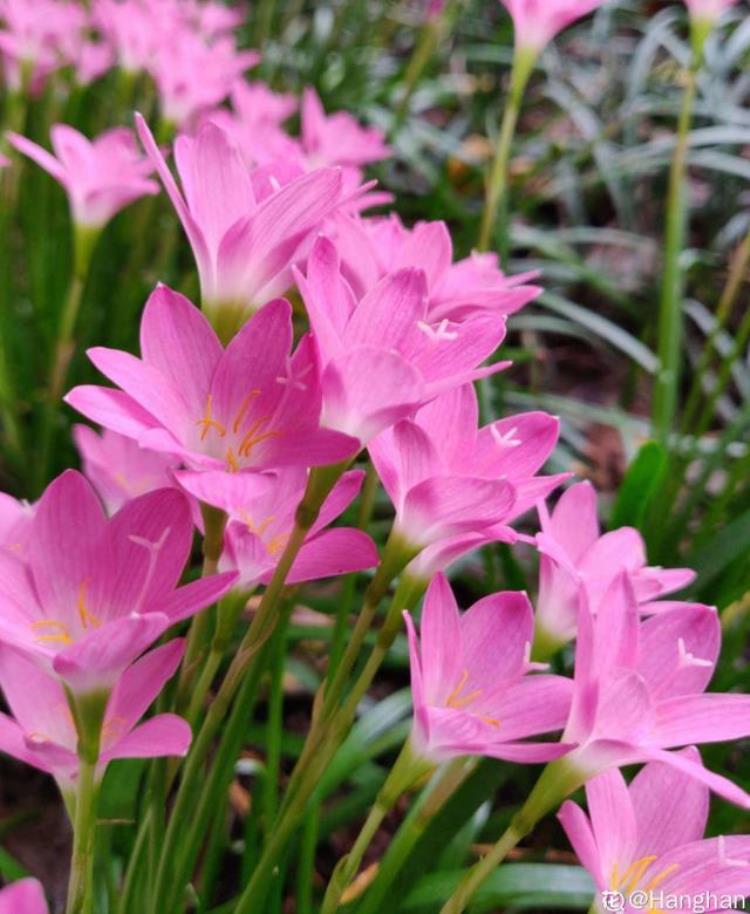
639, 689
192, 76
470, 688
244, 247
371, 248
118, 468
455, 486
92, 60
129, 27
253, 405
575, 554
261, 510
100, 177
708, 10
536, 22
646, 838
42, 732
88, 595
23, 897
35, 38
337, 139
389, 336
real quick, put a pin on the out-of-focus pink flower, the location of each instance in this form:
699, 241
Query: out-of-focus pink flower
92, 60
88, 595
130, 29
640, 690
192, 76
337, 139
244, 247
646, 838
708, 10
35, 37
456, 486
26, 896
574, 554
42, 732
4, 161
254, 126
371, 248
383, 356
100, 177
253, 405
118, 468
470, 688
261, 509
536, 22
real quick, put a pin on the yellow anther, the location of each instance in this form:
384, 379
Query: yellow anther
456, 699
254, 436
277, 543
242, 411
87, 618
660, 877
232, 460
58, 632
490, 721
208, 422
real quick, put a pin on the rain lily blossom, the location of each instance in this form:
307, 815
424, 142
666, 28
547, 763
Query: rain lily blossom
244, 246
41, 729
26, 896
470, 685
100, 177
536, 22
370, 248
261, 510
118, 468
640, 690
337, 139
387, 335
253, 405
456, 486
87, 595
575, 554
644, 841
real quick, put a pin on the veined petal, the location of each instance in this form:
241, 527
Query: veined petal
340, 550
442, 659
713, 717
163, 735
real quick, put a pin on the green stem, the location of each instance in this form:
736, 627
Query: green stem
558, 780
319, 485
325, 736
427, 42
497, 186
199, 637
80, 888
441, 788
670, 304
407, 770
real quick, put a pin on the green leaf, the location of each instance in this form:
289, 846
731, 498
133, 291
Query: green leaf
642, 481
539, 886
729, 544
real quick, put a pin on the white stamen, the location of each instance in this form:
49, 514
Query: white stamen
688, 659
725, 859
440, 333
505, 439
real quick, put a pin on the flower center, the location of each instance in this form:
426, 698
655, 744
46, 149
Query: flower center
53, 631
458, 700
242, 443
630, 880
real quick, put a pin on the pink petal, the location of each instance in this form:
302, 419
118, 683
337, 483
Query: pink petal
388, 314
533, 705
577, 828
36, 699
421, 718
715, 782
713, 717
495, 633
23, 897
574, 523
190, 599
612, 819
671, 807
112, 409
163, 735
328, 299
331, 553
39, 155
179, 342
440, 634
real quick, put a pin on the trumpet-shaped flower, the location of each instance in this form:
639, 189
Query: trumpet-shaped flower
42, 731
372, 247
118, 468
536, 22
640, 689
26, 896
100, 177
575, 554
643, 841
261, 510
252, 405
87, 595
470, 688
386, 335
244, 247
456, 486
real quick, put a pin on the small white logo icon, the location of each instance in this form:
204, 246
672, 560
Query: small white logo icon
613, 901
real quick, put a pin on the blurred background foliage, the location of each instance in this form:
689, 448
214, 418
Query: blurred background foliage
588, 183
